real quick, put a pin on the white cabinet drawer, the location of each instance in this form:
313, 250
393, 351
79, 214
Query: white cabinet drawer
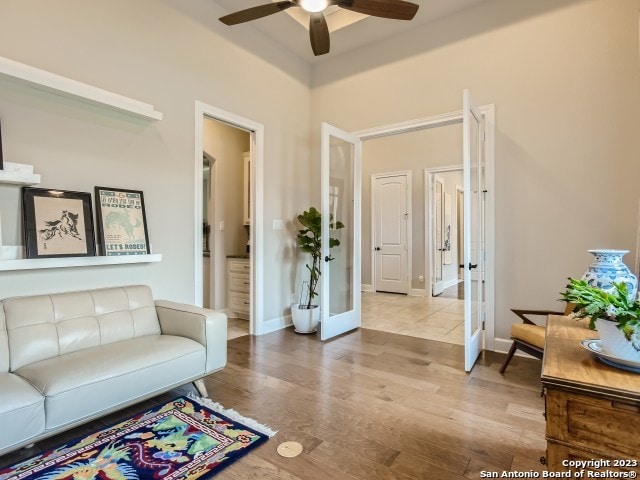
238, 287
239, 283
239, 302
239, 265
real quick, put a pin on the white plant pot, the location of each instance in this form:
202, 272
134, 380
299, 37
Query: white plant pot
614, 343
305, 320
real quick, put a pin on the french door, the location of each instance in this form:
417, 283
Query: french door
438, 236
340, 190
474, 188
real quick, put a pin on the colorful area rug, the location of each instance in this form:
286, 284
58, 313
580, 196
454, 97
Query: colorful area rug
183, 439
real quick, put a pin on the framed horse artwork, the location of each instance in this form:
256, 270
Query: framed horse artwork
122, 222
57, 223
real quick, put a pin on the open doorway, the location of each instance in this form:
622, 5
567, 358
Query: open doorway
228, 217
418, 313
226, 223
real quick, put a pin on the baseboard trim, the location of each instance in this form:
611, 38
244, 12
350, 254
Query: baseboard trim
502, 345
414, 292
452, 282
275, 324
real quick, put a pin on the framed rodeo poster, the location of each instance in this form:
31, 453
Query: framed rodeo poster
122, 222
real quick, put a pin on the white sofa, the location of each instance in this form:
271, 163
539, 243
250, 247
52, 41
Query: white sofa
68, 358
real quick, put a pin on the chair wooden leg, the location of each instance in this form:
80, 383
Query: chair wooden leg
512, 351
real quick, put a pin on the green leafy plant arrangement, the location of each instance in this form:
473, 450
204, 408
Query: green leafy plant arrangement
593, 303
310, 241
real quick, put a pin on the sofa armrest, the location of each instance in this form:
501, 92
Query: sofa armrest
204, 326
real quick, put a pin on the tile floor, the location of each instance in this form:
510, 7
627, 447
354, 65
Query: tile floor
433, 318
237, 327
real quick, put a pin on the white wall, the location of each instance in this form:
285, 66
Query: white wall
564, 77
168, 53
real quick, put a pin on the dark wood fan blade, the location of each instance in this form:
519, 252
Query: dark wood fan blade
256, 12
319, 34
394, 9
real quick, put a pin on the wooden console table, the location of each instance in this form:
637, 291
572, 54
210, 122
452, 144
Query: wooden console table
592, 409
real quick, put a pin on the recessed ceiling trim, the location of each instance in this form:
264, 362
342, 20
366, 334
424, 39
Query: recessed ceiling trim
337, 18
360, 33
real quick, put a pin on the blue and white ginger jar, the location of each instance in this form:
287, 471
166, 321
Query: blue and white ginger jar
608, 268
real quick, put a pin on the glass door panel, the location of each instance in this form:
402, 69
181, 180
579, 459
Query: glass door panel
340, 179
473, 231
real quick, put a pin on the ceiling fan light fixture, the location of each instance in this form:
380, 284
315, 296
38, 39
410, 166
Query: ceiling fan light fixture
318, 28
314, 6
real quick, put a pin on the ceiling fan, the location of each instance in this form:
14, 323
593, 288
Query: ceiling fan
318, 30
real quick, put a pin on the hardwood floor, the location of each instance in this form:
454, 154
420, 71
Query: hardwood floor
377, 405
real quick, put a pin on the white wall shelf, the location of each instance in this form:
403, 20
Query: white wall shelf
66, 262
56, 84
18, 174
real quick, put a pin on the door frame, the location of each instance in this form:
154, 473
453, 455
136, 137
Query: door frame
441, 120
256, 133
409, 233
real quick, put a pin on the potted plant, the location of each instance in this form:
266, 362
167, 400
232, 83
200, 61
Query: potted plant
306, 314
612, 313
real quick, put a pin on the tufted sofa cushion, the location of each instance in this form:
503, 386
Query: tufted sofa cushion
82, 383
46, 326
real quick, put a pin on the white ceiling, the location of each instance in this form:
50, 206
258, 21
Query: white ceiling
288, 31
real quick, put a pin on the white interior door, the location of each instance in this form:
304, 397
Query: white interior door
438, 236
340, 190
474, 295
390, 222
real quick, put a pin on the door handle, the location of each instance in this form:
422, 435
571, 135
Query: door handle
327, 258
378, 249
472, 266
